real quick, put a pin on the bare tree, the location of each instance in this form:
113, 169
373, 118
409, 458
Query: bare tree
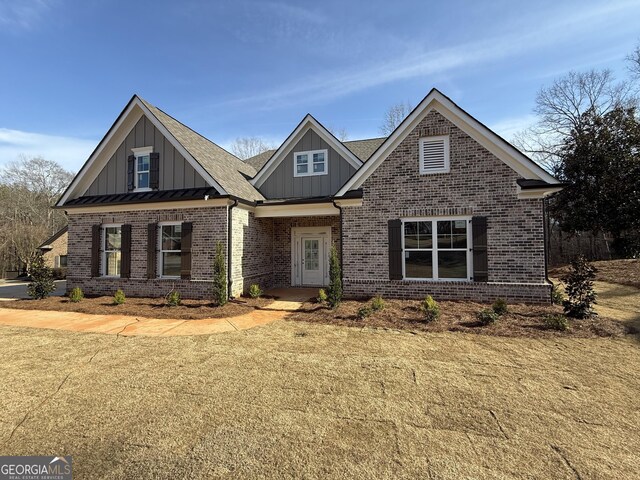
560, 108
28, 189
340, 133
393, 116
634, 62
247, 147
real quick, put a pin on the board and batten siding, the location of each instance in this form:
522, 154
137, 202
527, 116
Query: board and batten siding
282, 183
175, 171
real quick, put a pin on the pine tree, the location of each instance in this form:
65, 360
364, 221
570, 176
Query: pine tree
219, 277
334, 292
42, 283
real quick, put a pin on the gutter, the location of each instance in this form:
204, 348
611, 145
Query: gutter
229, 243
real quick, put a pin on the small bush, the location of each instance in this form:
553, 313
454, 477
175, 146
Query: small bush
322, 296
557, 295
500, 306
364, 312
173, 298
255, 291
42, 283
487, 316
377, 303
119, 298
59, 273
556, 322
334, 292
76, 294
430, 309
220, 296
579, 287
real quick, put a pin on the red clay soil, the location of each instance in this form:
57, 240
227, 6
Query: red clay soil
144, 307
520, 321
623, 272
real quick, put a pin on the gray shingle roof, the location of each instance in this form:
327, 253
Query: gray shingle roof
229, 171
363, 149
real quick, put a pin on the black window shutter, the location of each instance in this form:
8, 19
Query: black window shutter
480, 261
95, 250
395, 250
152, 248
125, 252
154, 171
185, 264
131, 172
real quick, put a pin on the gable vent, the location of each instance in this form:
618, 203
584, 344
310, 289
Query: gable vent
434, 154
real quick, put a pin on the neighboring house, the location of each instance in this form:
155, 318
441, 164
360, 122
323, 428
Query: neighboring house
54, 249
443, 206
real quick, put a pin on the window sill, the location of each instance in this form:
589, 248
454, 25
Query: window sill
138, 190
437, 280
169, 278
298, 175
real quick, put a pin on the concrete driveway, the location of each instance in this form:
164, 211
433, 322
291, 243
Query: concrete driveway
13, 289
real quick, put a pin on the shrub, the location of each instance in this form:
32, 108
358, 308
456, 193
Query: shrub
42, 283
219, 277
557, 295
254, 291
59, 273
322, 296
500, 306
119, 298
579, 288
76, 294
364, 312
556, 322
430, 309
334, 291
377, 303
173, 298
487, 316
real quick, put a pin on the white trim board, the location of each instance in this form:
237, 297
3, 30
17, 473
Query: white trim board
127, 120
435, 100
307, 123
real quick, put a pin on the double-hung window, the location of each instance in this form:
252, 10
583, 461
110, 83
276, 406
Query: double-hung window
111, 252
312, 162
437, 249
142, 168
169, 260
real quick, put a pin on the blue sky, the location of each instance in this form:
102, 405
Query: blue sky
254, 68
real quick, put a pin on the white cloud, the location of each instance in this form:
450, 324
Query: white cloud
22, 14
70, 152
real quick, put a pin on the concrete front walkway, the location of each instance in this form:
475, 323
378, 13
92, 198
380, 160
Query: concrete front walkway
288, 301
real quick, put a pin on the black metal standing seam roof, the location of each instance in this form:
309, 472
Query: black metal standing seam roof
142, 197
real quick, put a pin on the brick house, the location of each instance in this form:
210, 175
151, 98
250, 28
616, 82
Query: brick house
443, 206
54, 249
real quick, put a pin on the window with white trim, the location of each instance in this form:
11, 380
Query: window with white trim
437, 249
111, 250
434, 154
142, 168
170, 249
312, 162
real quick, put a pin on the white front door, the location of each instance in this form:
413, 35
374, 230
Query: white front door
312, 257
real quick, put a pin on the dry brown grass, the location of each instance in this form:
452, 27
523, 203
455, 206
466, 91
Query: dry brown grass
143, 307
296, 400
623, 272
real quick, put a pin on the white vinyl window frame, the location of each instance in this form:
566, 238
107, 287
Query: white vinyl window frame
104, 251
430, 171
160, 259
138, 153
434, 249
310, 163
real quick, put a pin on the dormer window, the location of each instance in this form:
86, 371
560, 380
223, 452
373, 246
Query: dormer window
142, 169
434, 154
312, 162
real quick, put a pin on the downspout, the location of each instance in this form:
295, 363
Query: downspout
341, 261
546, 244
229, 243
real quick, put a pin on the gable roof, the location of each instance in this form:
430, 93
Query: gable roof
307, 123
482, 134
222, 170
363, 149
54, 237
258, 161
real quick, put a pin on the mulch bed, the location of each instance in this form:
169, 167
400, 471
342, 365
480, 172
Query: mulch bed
520, 321
623, 272
144, 307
